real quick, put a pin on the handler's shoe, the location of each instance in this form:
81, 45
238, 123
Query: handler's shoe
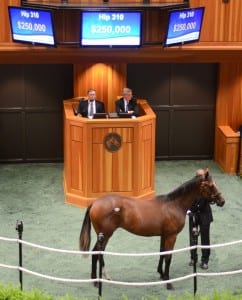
204, 266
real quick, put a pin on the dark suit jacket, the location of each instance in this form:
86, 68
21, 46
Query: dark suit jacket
83, 107
119, 106
203, 210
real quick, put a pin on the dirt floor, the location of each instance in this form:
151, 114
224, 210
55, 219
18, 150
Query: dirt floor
33, 193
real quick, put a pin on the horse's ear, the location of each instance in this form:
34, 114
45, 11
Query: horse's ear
206, 172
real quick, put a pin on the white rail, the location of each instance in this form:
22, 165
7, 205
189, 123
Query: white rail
160, 282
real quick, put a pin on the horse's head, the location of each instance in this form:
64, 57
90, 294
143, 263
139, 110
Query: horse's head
209, 189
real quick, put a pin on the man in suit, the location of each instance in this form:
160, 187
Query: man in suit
202, 217
87, 108
127, 103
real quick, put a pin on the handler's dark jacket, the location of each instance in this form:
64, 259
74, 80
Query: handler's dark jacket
203, 211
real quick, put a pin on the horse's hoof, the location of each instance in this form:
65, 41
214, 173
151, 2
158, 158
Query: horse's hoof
169, 286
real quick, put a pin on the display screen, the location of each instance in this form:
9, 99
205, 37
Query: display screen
111, 28
184, 26
33, 26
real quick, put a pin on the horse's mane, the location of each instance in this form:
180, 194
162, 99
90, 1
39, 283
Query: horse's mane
181, 190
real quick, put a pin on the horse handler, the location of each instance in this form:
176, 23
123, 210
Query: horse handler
200, 221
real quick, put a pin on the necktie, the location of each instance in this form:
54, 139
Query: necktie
91, 109
126, 106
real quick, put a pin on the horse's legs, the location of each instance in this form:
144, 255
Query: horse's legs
95, 259
168, 257
169, 243
94, 264
160, 264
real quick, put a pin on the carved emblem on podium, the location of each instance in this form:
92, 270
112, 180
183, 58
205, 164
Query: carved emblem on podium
112, 142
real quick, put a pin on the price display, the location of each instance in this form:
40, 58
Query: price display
184, 26
30, 25
111, 28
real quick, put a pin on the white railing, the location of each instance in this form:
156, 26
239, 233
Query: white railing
102, 280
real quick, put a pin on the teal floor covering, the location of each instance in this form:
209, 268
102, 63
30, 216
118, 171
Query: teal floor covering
34, 194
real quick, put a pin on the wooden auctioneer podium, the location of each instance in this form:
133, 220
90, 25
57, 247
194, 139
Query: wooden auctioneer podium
112, 155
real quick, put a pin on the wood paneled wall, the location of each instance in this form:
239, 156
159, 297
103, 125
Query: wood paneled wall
229, 96
4, 21
222, 21
107, 79
228, 115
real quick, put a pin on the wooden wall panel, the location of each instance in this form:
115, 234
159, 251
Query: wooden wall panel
4, 20
222, 21
228, 115
101, 161
101, 168
123, 181
229, 96
67, 26
154, 24
146, 167
227, 150
107, 79
107, 168
77, 165
76, 157
145, 151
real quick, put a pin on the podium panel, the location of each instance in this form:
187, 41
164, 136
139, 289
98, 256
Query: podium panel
227, 149
108, 156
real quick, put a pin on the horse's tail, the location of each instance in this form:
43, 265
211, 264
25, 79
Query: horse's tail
85, 234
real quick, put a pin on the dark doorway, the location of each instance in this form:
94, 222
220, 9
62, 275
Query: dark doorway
31, 111
183, 96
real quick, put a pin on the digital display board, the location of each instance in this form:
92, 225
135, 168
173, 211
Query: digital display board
33, 26
111, 28
184, 26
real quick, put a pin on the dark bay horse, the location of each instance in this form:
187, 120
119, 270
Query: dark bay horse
162, 216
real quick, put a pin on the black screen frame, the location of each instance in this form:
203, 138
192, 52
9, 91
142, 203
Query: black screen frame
112, 11
169, 22
30, 42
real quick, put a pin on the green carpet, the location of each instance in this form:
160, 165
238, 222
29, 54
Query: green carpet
33, 193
